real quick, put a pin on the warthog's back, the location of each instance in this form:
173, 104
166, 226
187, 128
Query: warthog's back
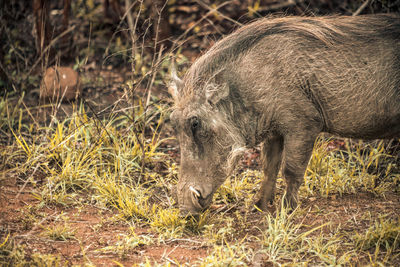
353, 77
347, 67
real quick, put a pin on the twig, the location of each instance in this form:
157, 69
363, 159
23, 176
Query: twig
173, 240
218, 12
154, 75
30, 114
27, 180
47, 48
37, 226
361, 8
155, 64
132, 28
101, 123
209, 13
166, 255
288, 3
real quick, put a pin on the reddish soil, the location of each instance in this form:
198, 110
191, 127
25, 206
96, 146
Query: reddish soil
95, 228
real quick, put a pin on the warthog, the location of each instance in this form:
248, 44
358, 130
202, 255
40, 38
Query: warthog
281, 82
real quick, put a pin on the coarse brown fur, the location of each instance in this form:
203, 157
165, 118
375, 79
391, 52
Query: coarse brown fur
281, 82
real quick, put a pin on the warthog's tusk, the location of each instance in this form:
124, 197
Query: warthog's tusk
194, 191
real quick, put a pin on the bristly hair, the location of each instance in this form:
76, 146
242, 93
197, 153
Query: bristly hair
327, 31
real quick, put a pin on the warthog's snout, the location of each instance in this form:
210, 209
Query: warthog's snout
195, 199
200, 199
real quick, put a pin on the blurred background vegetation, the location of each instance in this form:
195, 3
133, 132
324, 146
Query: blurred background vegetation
135, 37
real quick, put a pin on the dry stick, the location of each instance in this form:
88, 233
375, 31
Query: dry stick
154, 67
132, 28
53, 41
280, 5
172, 240
27, 180
128, 14
166, 255
101, 123
36, 226
30, 114
218, 12
361, 8
154, 63
209, 13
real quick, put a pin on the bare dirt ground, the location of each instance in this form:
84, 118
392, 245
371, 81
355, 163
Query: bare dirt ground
95, 228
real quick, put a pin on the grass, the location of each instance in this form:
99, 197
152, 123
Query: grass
127, 243
348, 171
383, 234
111, 163
227, 255
59, 232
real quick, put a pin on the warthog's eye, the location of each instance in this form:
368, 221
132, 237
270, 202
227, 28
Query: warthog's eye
199, 131
194, 124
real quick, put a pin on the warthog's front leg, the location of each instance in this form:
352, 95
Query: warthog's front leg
297, 153
271, 162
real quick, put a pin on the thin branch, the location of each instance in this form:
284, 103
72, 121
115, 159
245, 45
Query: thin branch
288, 3
132, 28
209, 13
47, 49
218, 12
361, 8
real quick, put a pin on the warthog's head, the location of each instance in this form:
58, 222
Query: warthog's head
208, 142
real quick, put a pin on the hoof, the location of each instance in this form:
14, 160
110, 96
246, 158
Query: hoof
265, 206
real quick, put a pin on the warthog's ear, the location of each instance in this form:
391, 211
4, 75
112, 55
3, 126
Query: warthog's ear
216, 92
175, 83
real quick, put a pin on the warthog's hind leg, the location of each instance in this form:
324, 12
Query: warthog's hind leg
271, 162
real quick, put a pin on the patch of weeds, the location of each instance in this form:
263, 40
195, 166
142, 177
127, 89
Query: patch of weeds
227, 255
197, 224
127, 243
48, 196
46, 260
167, 222
282, 236
75, 152
338, 171
381, 242
29, 217
10, 253
384, 234
11, 114
283, 239
131, 201
239, 188
59, 232
218, 234
327, 249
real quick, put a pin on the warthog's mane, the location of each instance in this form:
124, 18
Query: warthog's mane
328, 31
